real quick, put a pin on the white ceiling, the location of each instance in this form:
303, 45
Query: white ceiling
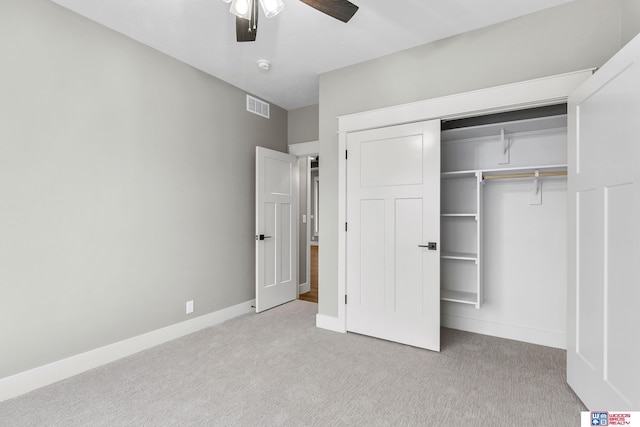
300, 42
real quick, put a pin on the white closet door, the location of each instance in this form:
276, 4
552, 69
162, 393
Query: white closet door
603, 348
393, 212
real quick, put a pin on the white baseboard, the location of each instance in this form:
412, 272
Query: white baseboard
502, 330
41, 376
304, 287
329, 322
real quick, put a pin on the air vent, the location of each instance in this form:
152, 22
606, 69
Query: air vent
255, 106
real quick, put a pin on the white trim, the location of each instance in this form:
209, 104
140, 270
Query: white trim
304, 287
342, 233
300, 149
41, 376
329, 322
307, 229
531, 93
502, 330
316, 205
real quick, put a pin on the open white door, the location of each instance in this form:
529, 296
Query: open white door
393, 217
603, 347
276, 228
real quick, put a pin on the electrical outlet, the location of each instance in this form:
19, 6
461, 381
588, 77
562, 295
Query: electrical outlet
189, 307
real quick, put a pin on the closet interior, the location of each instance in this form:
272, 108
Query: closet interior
497, 218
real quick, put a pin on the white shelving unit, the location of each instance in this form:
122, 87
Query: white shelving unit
461, 229
472, 157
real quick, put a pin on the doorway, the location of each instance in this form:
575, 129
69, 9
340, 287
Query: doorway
310, 226
308, 169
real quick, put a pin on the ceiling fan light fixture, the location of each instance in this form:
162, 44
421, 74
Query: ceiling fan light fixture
241, 8
271, 7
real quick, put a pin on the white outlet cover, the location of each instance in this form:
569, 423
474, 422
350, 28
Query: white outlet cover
189, 307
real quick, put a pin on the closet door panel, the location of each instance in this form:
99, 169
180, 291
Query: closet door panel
589, 269
602, 358
393, 213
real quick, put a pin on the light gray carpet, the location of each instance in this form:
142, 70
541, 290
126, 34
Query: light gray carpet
277, 368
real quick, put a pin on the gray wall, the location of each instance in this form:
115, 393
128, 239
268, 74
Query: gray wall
630, 19
574, 36
126, 187
303, 124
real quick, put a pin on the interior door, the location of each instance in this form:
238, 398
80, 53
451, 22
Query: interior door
393, 217
276, 228
603, 348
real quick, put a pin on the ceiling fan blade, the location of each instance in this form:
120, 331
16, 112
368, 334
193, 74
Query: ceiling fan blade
342, 10
247, 29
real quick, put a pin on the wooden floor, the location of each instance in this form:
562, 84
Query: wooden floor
312, 295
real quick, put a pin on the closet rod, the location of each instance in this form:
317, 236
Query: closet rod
525, 175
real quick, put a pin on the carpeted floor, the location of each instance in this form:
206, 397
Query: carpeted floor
277, 368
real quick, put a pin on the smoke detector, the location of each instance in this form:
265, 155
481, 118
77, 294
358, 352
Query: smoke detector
264, 64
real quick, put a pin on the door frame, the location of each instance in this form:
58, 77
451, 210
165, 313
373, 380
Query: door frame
305, 150
514, 96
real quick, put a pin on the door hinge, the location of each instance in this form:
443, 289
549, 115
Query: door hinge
345, 300
346, 154
346, 227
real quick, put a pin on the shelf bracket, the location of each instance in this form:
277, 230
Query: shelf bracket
535, 197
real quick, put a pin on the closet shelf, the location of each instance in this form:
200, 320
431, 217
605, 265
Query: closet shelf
459, 215
511, 169
464, 256
536, 174
459, 296
535, 125
459, 174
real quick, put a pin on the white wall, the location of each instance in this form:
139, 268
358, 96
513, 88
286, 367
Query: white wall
574, 36
126, 187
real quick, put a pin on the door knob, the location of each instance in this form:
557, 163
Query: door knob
262, 237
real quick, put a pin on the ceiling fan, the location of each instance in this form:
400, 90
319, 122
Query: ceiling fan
247, 13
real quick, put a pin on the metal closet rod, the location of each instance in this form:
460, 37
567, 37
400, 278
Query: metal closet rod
525, 175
